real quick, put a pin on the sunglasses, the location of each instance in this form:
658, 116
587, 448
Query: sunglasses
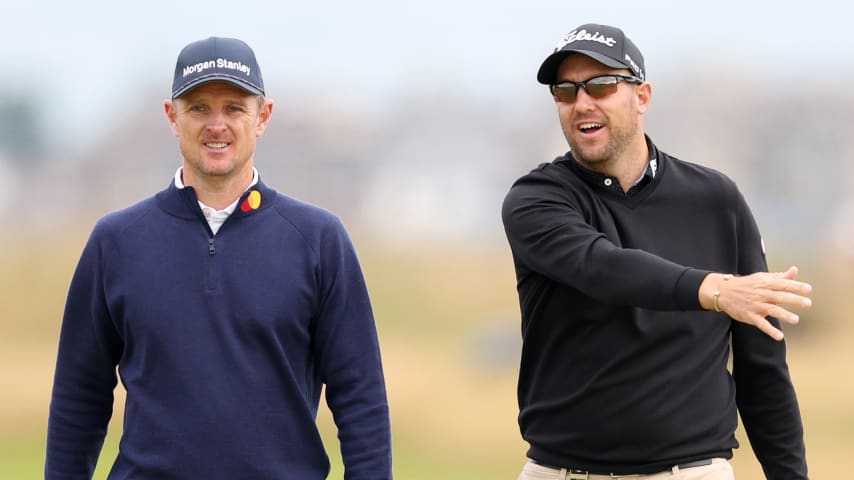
597, 87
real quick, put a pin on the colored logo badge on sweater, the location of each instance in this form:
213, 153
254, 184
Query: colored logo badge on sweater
252, 202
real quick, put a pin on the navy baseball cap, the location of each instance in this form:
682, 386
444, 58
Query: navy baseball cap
605, 44
217, 59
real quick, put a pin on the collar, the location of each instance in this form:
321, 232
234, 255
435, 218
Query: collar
182, 201
225, 212
611, 183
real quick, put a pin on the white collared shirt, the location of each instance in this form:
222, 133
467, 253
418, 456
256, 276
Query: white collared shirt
216, 217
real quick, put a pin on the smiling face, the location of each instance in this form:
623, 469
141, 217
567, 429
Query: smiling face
217, 125
603, 132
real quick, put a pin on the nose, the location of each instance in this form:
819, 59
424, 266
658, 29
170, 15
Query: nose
216, 121
583, 100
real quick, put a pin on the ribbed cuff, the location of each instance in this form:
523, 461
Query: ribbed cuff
687, 290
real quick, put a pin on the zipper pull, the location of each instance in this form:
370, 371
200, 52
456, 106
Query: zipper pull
211, 249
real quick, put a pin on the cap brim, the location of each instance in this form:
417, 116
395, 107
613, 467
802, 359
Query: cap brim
548, 70
217, 77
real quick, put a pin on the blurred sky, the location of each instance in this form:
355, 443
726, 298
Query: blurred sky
88, 60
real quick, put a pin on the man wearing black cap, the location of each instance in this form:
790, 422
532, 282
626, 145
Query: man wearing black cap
636, 272
226, 307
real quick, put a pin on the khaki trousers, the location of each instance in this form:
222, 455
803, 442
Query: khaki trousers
720, 469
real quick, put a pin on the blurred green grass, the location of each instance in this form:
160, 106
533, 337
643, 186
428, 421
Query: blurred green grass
22, 458
453, 406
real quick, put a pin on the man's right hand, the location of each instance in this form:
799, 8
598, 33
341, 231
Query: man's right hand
752, 298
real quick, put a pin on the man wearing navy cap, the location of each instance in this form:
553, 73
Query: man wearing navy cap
225, 306
639, 275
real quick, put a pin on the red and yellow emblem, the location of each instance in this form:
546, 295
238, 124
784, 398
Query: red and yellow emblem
252, 202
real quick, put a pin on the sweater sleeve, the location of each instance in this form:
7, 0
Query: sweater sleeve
548, 233
89, 349
764, 392
348, 354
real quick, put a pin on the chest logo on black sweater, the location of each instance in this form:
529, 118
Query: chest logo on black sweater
252, 201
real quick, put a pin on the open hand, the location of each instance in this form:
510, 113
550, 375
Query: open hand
752, 298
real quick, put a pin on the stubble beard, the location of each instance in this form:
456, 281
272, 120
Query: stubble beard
601, 158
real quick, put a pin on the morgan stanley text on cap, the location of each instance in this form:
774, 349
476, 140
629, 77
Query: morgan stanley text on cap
217, 59
605, 44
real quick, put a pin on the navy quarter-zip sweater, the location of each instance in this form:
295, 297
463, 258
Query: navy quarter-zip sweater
621, 369
222, 343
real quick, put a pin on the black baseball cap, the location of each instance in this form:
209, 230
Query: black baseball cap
605, 44
217, 59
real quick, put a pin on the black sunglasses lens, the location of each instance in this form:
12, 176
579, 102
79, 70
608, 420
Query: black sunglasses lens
601, 87
565, 93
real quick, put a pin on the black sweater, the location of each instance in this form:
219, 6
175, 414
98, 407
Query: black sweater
621, 370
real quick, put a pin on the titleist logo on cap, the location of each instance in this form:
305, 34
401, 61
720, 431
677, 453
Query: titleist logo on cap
584, 35
603, 43
218, 63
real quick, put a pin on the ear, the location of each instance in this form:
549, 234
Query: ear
169, 108
264, 118
644, 96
